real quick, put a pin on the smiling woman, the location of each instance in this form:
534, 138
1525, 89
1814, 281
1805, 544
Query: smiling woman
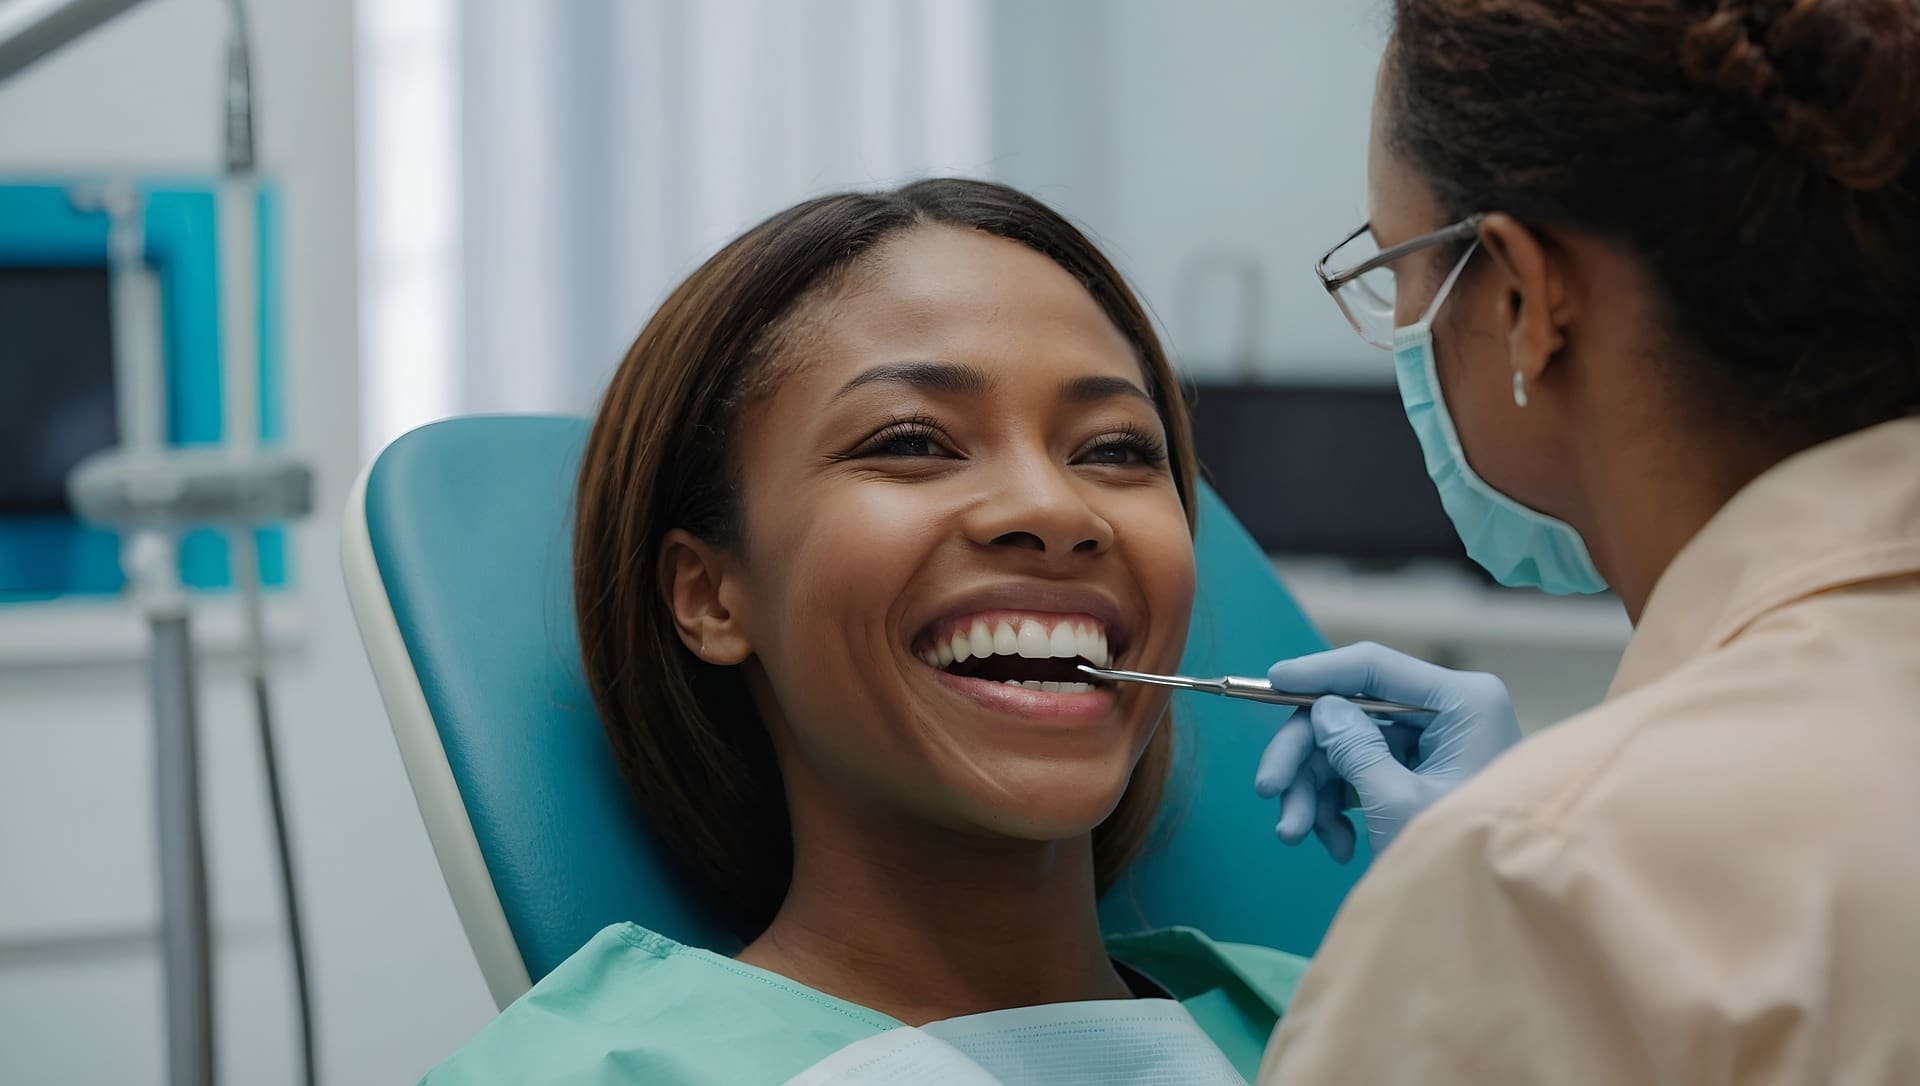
825, 400
864, 491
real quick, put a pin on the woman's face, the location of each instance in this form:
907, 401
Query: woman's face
959, 480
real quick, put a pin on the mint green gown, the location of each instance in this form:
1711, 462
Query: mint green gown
636, 1007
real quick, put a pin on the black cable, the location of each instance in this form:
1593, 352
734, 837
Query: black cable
238, 143
263, 712
237, 114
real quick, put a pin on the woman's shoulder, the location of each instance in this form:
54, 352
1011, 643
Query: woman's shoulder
634, 1006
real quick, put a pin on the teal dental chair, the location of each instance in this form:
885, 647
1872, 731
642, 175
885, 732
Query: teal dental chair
457, 562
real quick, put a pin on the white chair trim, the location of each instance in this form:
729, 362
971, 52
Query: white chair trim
461, 863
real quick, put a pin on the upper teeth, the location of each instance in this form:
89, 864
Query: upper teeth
1022, 637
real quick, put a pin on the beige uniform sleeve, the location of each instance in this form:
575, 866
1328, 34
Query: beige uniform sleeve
1486, 948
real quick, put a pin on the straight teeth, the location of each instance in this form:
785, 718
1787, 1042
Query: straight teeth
1054, 688
1026, 638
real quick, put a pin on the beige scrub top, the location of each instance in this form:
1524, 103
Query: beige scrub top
1714, 876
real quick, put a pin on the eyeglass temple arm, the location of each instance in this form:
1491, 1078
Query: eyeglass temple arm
1459, 231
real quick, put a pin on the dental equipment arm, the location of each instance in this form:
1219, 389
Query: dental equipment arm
31, 29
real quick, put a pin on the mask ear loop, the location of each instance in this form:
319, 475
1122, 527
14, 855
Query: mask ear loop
1446, 285
1440, 296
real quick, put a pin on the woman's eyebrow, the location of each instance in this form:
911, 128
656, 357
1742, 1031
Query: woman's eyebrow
951, 378
1095, 389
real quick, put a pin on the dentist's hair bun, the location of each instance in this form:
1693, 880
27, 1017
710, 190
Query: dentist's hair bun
1835, 81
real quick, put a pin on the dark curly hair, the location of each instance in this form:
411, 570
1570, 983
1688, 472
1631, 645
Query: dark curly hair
1759, 155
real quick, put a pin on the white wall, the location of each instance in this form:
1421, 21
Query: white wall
79, 972
1195, 139
607, 152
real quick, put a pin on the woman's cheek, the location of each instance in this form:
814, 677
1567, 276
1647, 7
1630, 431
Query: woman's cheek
844, 575
1163, 562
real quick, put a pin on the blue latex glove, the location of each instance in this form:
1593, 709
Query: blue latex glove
1318, 753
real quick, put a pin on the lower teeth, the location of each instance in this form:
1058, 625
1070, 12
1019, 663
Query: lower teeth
1052, 688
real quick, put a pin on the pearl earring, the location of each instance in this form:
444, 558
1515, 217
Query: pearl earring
1519, 389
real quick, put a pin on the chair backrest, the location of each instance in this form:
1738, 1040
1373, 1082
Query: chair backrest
457, 559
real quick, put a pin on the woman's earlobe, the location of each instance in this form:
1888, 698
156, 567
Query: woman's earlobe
1531, 294
695, 585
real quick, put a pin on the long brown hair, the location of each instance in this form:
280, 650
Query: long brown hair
661, 456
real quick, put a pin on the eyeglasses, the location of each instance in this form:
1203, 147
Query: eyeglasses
1365, 290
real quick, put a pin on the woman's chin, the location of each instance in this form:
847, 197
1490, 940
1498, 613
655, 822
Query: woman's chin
1047, 801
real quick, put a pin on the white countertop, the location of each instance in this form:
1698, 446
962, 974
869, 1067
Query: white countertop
1438, 603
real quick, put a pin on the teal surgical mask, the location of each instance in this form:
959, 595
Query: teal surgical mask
1521, 547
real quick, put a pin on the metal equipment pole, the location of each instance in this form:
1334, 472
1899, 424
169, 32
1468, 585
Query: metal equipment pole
183, 869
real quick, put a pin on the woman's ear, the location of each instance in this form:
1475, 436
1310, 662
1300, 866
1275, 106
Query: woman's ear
1534, 301
702, 587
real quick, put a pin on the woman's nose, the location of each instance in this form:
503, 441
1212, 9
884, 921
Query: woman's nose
1039, 508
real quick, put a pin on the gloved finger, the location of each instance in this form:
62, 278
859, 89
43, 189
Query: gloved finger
1353, 745
1363, 669
1405, 740
1330, 822
1286, 752
1296, 811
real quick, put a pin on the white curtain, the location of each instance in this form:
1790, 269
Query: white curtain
604, 148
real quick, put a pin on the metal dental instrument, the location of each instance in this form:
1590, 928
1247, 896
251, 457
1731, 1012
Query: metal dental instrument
1237, 686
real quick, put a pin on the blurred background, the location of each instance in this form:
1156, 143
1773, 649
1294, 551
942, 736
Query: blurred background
477, 204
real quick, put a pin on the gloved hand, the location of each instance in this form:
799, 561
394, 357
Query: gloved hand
1317, 753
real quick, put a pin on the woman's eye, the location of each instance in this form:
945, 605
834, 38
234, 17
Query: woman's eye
1114, 453
906, 445
1128, 450
905, 440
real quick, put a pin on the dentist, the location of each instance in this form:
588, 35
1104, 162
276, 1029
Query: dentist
1650, 271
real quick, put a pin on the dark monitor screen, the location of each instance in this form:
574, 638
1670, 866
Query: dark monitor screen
56, 381
1323, 470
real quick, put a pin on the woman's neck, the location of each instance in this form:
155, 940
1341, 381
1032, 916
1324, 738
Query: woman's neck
1660, 491
923, 923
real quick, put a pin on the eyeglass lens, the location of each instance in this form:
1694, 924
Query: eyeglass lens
1366, 300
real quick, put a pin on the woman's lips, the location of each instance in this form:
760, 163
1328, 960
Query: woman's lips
1013, 649
949, 625
1066, 706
